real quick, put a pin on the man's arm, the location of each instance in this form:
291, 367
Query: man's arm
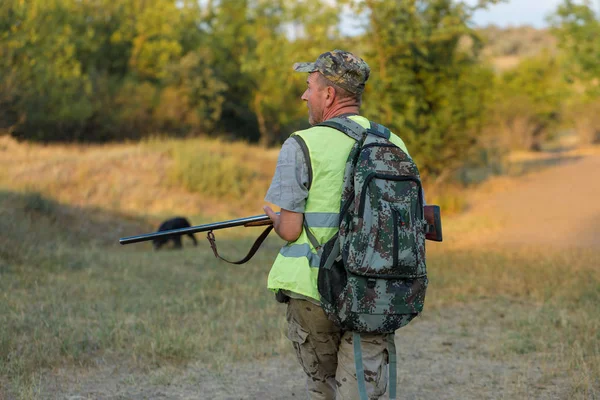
289, 190
288, 224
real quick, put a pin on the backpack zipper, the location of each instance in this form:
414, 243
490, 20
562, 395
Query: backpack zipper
396, 216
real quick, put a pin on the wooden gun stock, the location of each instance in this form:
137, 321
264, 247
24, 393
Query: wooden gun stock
259, 223
434, 223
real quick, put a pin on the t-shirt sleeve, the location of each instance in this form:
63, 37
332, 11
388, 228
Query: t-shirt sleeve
289, 187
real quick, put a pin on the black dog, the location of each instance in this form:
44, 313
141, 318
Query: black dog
173, 223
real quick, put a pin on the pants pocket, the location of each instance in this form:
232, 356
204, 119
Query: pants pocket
305, 352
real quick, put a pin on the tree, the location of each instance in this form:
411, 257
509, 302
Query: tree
528, 102
90, 70
424, 86
47, 88
277, 40
193, 96
577, 29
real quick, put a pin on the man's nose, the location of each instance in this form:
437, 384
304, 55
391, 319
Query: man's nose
304, 96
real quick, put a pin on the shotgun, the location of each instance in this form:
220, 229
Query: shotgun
258, 220
432, 216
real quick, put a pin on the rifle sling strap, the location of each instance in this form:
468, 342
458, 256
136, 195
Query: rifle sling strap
211, 238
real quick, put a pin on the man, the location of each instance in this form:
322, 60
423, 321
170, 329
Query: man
307, 185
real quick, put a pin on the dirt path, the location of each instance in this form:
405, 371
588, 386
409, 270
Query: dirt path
460, 353
559, 206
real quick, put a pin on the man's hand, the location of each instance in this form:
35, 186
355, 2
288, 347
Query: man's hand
287, 224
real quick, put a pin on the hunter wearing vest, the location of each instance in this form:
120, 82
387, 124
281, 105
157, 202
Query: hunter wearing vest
307, 186
324, 150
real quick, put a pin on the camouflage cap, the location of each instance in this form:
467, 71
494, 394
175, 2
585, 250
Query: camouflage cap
341, 67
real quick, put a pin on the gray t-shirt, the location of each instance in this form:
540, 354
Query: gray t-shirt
289, 187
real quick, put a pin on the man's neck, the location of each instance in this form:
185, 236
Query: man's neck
341, 110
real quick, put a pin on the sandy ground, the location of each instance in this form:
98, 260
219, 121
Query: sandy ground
451, 355
454, 354
559, 206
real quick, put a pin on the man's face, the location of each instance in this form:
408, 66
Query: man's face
315, 95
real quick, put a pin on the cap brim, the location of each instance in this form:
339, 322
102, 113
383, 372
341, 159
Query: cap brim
305, 67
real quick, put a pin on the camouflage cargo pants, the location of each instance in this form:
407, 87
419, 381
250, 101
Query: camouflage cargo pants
327, 355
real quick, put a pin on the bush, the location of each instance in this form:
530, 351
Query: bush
585, 116
528, 104
228, 172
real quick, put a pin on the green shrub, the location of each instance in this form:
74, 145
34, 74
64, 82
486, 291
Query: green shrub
215, 170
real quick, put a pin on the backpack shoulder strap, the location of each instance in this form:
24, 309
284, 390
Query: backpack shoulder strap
392, 366
355, 130
306, 153
360, 370
358, 364
379, 130
347, 126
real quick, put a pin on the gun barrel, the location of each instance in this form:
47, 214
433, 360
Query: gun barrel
247, 221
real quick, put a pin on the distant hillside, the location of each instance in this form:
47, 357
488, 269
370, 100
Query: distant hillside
522, 41
506, 47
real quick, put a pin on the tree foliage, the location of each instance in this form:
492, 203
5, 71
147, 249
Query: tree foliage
425, 86
528, 103
103, 70
577, 29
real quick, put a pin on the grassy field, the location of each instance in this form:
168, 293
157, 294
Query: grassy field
71, 295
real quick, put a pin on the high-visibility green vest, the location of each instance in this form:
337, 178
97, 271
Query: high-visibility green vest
297, 264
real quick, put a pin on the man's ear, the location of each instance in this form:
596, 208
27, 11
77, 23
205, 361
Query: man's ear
330, 97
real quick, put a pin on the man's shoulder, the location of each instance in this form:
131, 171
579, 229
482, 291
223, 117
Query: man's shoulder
290, 149
316, 129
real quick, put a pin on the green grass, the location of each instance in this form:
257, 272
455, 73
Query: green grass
68, 298
151, 308
550, 299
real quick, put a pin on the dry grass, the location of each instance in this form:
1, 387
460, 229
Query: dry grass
205, 179
233, 172
68, 298
143, 179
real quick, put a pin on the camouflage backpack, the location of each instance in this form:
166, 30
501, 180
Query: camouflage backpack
372, 276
